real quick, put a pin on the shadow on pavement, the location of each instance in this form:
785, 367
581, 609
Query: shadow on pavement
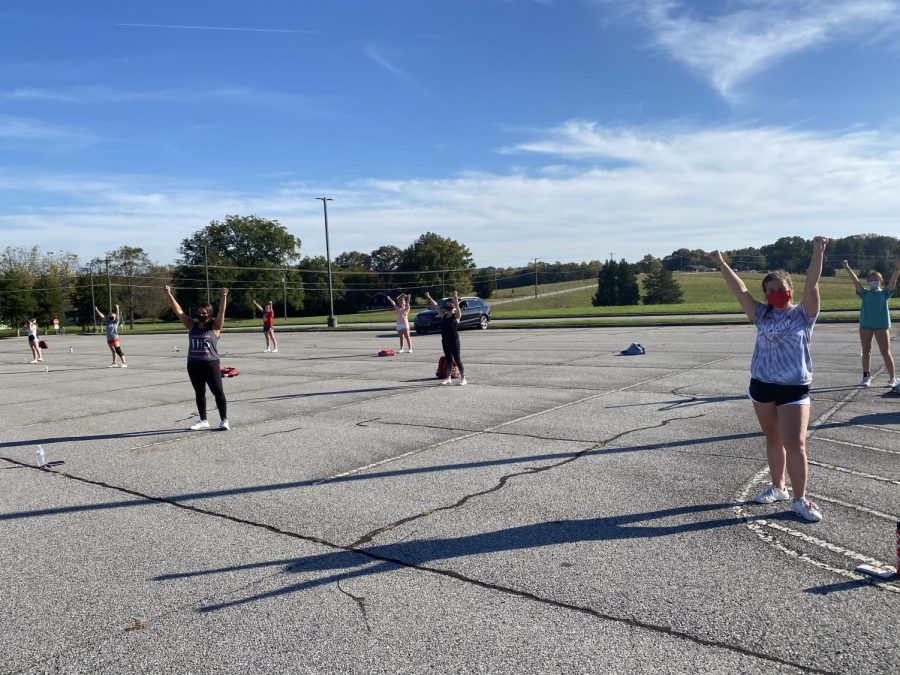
358, 562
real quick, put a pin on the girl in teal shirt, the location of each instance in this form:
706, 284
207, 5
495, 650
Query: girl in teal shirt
875, 320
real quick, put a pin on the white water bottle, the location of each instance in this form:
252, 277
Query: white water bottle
39, 456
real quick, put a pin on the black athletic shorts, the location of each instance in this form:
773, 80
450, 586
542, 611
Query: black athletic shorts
779, 394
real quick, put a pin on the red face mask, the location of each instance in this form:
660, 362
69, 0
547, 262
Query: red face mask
779, 299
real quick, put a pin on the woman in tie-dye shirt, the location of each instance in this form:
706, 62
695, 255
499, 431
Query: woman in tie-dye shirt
780, 374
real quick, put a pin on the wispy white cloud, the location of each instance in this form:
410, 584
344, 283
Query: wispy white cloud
374, 53
109, 95
595, 189
220, 28
741, 38
29, 129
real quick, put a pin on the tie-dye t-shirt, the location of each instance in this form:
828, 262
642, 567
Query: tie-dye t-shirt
783, 337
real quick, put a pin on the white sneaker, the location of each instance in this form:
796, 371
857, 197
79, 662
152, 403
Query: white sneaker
266, 350
275, 350
33, 361
223, 425
409, 350
124, 365
112, 365
202, 424
401, 350
446, 381
770, 494
866, 381
807, 510
463, 381
893, 382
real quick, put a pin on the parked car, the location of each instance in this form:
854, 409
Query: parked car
475, 313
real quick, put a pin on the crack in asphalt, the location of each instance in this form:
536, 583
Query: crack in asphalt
367, 538
526, 595
360, 603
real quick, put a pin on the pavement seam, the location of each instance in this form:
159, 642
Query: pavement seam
628, 621
503, 480
516, 420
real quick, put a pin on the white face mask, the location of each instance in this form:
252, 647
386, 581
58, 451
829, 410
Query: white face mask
873, 284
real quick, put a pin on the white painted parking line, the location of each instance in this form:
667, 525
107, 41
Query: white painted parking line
856, 445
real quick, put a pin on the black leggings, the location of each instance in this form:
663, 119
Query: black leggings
451, 353
203, 373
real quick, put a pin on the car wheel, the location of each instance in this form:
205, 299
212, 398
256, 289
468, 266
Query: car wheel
483, 324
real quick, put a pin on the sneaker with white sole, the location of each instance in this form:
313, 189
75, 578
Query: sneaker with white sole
202, 424
446, 381
770, 494
275, 350
410, 350
33, 361
124, 365
223, 425
112, 365
807, 510
866, 381
893, 382
463, 381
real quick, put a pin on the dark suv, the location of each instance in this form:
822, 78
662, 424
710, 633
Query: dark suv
475, 312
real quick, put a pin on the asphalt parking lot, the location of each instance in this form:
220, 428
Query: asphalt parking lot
570, 510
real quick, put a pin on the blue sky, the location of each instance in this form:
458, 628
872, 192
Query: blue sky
558, 129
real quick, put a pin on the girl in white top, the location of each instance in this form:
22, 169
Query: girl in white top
33, 341
780, 374
401, 307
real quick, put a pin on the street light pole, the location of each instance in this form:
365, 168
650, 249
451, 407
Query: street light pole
206, 265
332, 320
109, 287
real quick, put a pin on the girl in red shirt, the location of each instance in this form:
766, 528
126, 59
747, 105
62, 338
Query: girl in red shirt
268, 325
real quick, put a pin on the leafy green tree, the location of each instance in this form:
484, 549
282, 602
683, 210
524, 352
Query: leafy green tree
51, 298
616, 285
438, 263
485, 282
606, 285
353, 260
82, 302
660, 287
745, 259
385, 259
627, 289
18, 303
248, 254
791, 254
314, 276
128, 265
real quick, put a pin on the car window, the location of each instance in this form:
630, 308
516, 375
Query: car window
463, 304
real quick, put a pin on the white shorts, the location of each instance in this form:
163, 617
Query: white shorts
402, 326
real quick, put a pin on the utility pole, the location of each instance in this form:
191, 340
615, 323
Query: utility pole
284, 294
206, 265
332, 320
109, 287
535, 277
90, 269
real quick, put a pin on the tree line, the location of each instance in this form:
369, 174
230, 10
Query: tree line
259, 259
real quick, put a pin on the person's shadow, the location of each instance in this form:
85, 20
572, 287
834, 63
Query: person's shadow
352, 563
